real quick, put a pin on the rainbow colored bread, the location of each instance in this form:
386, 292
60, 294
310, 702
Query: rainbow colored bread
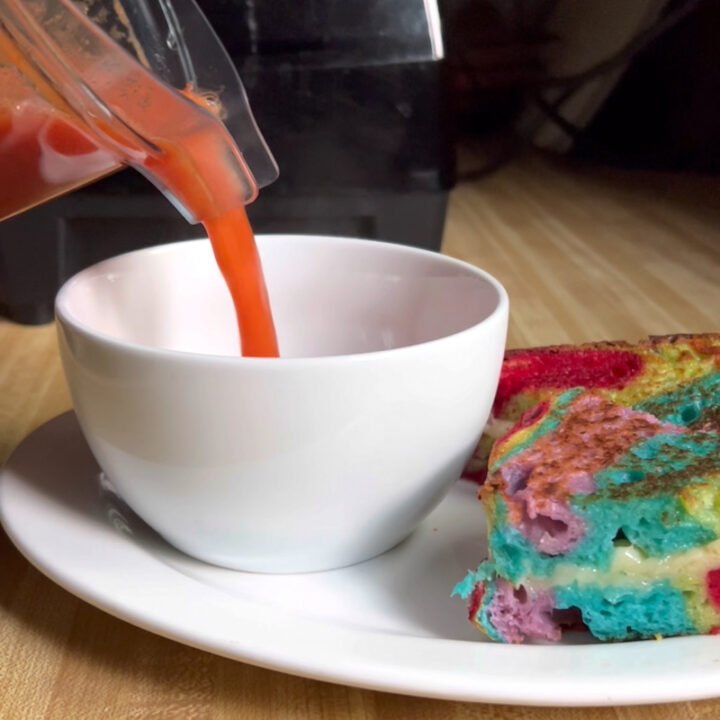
623, 372
603, 498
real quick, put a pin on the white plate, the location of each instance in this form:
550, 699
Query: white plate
387, 624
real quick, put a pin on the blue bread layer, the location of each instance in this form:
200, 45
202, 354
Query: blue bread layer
658, 521
485, 571
610, 612
621, 613
639, 495
687, 405
656, 457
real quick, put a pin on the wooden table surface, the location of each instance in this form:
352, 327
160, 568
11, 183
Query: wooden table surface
584, 254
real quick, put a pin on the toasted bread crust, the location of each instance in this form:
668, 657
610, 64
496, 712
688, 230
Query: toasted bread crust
530, 375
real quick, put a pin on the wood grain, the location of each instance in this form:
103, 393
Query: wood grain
585, 254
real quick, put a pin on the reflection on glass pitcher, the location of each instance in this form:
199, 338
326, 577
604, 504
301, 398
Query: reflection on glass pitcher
89, 86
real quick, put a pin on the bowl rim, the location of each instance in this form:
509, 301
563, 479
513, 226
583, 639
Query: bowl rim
65, 318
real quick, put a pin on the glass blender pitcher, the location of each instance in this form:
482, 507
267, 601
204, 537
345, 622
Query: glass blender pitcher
90, 86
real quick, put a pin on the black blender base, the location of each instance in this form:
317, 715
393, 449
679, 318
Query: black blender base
41, 249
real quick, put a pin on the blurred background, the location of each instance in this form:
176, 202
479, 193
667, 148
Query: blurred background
380, 112
633, 83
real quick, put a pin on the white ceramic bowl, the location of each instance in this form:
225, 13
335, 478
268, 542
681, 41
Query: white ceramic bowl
323, 458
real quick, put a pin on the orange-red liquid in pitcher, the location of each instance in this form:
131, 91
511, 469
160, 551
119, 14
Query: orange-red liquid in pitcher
45, 150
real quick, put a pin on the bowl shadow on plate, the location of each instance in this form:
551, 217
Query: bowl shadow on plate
414, 579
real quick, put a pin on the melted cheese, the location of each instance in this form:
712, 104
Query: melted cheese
630, 566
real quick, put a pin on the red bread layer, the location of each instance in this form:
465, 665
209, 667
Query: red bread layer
563, 369
712, 585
